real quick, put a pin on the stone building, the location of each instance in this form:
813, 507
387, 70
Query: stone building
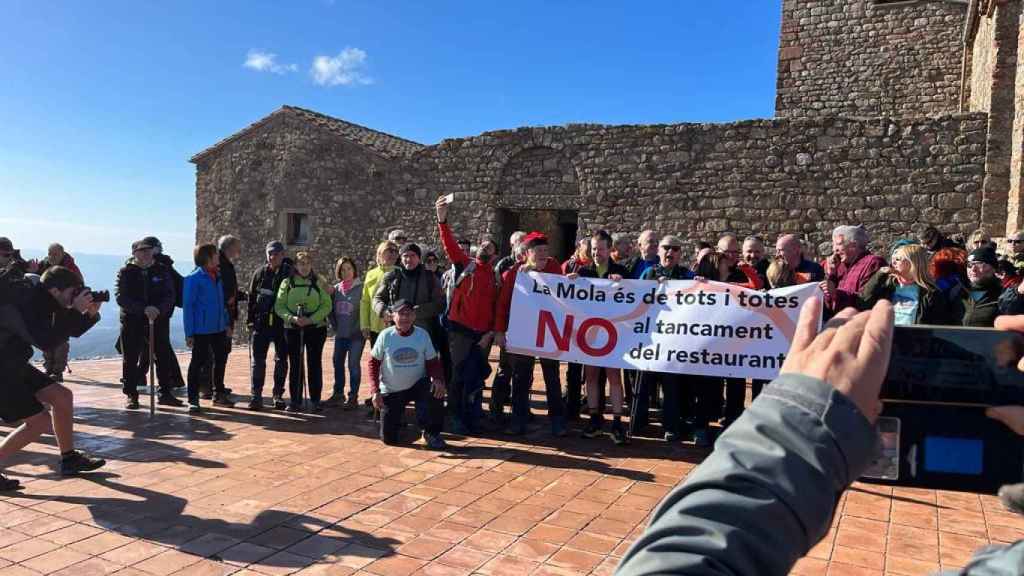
894, 114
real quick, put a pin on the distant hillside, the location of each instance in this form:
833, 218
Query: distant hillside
100, 271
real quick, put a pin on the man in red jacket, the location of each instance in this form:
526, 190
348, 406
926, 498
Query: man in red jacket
537, 260
474, 293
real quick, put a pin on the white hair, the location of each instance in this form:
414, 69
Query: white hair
855, 233
227, 241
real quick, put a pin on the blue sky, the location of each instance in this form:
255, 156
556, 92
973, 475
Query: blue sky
103, 103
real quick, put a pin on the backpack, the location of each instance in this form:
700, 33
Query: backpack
15, 294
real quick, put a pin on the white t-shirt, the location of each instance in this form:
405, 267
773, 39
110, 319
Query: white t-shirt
403, 359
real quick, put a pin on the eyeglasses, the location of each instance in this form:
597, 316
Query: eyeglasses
976, 264
671, 248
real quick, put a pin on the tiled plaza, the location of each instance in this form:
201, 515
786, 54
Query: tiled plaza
236, 492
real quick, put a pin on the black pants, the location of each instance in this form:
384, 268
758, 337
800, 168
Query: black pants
461, 344
735, 397
429, 411
209, 354
645, 382
135, 355
573, 390
261, 342
678, 402
501, 386
522, 382
168, 376
708, 393
755, 388
312, 338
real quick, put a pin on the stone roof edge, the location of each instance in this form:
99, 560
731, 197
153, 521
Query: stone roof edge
290, 109
735, 123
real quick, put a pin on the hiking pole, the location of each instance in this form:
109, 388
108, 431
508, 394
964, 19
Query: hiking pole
152, 373
633, 404
302, 353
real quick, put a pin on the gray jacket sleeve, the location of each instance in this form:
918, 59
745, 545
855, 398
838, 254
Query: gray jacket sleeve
767, 493
995, 561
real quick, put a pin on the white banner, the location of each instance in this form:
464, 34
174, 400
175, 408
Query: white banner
684, 326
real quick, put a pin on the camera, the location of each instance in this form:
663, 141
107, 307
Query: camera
933, 431
97, 295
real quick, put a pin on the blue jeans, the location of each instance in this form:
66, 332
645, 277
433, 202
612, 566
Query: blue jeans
352, 349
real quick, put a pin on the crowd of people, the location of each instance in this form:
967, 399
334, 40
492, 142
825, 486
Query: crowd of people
430, 331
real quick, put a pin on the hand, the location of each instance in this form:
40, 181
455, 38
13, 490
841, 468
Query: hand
499, 339
437, 388
94, 309
615, 277
1020, 288
32, 266
442, 209
151, 313
301, 321
378, 401
1012, 416
827, 287
885, 270
851, 353
231, 332
662, 279
485, 340
572, 276
188, 342
82, 302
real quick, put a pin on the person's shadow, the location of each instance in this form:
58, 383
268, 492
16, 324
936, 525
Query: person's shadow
164, 519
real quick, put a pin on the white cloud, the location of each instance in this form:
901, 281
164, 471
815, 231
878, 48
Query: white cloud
266, 62
345, 69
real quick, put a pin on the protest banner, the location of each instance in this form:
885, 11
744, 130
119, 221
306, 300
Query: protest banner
682, 326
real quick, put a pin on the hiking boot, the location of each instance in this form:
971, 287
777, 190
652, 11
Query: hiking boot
593, 430
435, 442
293, 408
132, 403
77, 462
671, 436
194, 408
256, 404
1012, 497
279, 402
619, 434
333, 402
318, 407
168, 399
702, 438
224, 400
8, 484
352, 404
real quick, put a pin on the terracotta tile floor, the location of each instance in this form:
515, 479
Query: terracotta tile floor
233, 492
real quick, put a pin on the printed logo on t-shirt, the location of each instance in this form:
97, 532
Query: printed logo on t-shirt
405, 356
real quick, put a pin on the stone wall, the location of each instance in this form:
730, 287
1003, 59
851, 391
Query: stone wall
859, 58
699, 180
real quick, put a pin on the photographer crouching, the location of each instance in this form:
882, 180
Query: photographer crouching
46, 312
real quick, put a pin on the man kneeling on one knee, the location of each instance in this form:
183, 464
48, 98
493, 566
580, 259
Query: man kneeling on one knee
404, 366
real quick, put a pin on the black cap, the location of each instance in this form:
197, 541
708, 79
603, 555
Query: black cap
6, 245
411, 247
274, 246
143, 244
401, 303
986, 255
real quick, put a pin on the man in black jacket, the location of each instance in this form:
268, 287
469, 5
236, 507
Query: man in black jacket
145, 293
265, 327
230, 249
163, 323
51, 310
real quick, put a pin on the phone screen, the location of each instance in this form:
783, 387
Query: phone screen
954, 455
948, 365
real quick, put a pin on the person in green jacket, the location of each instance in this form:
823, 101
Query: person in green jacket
304, 303
370, 322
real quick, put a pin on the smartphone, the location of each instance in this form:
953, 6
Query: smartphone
448, 198
971, 367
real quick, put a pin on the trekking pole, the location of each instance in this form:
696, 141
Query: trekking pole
633, 404
152, 373
302, 353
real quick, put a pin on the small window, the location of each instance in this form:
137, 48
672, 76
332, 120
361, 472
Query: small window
297, 233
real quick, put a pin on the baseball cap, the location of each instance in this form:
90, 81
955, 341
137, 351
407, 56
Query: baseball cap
143, 244
401, 303
274, 246
986, 255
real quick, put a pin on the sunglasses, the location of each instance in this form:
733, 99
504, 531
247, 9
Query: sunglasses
671, 248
